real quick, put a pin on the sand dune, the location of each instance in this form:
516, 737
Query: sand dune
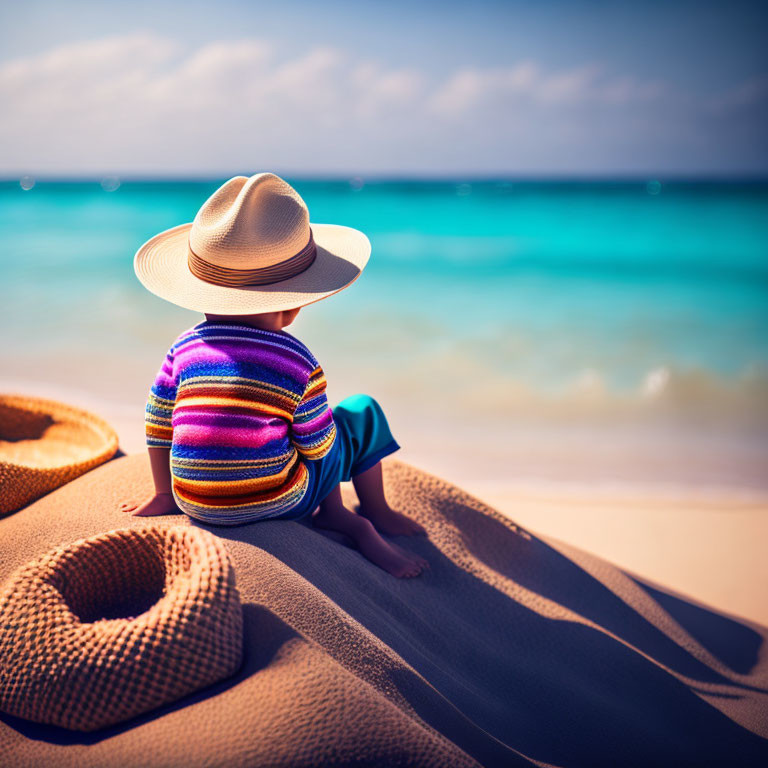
509, 651
710, 547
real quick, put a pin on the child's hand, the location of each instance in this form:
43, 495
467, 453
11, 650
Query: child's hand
159, 504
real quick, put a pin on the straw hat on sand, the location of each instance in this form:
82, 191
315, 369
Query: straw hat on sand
251, 249
44, 444
113, 625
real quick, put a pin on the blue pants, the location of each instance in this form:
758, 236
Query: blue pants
362, 439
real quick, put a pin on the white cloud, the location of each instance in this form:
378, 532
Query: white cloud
527, 82
141, 103
571, 85
750, 93
75, 72
469, 87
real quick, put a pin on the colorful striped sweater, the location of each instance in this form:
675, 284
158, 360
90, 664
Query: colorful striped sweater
241, 410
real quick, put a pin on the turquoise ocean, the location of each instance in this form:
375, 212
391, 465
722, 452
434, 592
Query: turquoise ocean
490, 310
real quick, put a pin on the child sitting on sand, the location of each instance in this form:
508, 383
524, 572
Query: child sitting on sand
238, 425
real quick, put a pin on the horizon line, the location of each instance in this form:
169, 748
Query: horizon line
456, 177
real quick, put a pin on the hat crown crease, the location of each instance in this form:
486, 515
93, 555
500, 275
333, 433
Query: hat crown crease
251, 223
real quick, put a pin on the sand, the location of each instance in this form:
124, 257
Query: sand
661, 518
711, 549
511, 650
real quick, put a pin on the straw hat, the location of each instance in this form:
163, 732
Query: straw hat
44, 444
251, 249
107, 627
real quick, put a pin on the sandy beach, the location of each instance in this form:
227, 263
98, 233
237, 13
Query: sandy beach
511, 650
561, 623
706, 550
704, 541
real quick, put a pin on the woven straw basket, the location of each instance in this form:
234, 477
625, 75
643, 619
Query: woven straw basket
44, 444
114, 625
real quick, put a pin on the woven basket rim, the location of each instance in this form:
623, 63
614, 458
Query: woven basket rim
67, 661
45, 566
106, 445
191, 537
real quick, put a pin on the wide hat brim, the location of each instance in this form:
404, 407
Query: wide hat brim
162, 267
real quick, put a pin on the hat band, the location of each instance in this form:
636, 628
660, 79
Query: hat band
236, 278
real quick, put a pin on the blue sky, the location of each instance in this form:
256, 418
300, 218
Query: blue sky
474, 88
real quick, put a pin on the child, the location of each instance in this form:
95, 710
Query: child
238, 426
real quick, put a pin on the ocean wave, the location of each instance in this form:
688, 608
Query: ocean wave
661, 396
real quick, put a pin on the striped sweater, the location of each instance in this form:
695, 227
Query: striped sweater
241, 409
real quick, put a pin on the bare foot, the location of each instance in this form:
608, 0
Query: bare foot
159, 504
393, 523
411, 555
369, 542
382, 554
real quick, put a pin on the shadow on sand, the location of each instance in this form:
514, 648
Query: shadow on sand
264, 635
622, 692
512, 649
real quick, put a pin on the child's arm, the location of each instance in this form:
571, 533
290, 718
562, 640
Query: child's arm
160, 461
159, 437
162, 503
313, 429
